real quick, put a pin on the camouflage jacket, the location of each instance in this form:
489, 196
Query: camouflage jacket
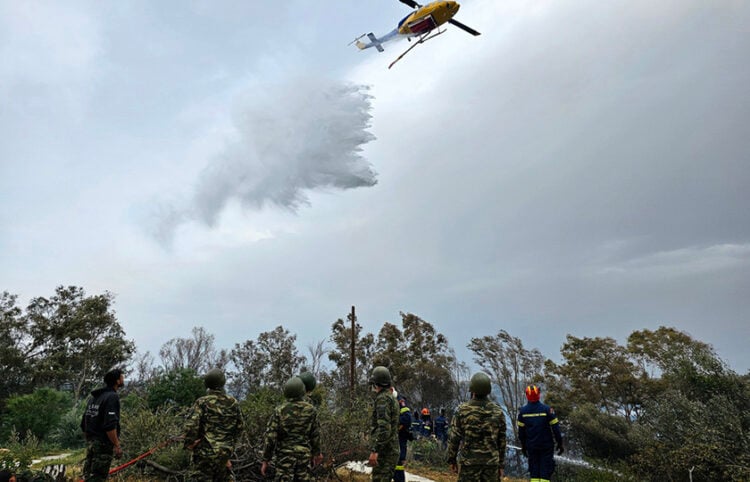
384, 424
293, 429
215, 420
479, 430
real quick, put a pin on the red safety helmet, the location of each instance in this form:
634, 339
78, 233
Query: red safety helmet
425, 411
532, 393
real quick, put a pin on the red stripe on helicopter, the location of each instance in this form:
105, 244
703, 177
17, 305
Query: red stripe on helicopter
423, 25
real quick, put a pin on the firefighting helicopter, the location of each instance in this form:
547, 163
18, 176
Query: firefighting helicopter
423, 23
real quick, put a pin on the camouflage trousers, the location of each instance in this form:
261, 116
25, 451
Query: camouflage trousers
383, 472
478, 473
209, 467
292, 467
99, 456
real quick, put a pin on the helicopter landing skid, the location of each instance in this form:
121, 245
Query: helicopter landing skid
422, 39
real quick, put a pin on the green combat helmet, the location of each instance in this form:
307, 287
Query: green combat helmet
214, 379
480, 384
381, 377
309, 380
294, 389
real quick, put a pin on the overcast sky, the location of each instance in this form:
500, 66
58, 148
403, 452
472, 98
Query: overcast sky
582, 167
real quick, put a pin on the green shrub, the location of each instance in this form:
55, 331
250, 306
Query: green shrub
343, 430
67, 434
427, 451
144, 429
37, 413
19, 451
257, 409
179, 388
601, 436
576, 473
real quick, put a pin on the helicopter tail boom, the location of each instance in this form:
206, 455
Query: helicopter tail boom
374, 42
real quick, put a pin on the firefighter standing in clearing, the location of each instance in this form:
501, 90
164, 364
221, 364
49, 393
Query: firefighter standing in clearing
537, 423
404, 435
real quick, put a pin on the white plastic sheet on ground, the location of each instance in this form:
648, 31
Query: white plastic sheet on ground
362, 467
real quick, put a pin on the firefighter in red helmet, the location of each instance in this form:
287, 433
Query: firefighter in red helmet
538, 431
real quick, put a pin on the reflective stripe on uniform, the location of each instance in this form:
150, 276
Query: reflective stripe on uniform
521, 424
400, 467
405, 409
534, 415
553, 421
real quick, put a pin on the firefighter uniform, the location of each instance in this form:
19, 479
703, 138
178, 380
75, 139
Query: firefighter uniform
537, 424
404, 435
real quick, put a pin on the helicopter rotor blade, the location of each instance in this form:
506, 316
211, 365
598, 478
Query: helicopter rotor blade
462, 26
410, 3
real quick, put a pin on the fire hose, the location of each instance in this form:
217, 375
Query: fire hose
127, 464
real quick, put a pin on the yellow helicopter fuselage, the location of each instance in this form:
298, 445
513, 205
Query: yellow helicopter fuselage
427, 17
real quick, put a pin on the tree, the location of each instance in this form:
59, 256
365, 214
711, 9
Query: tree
711, 436
600, 371
667, 350
197, 353
180, 387
601, 435
340, 355
37, 413
75, 339
673, 358
460, 375
13, 331
143, 369
317, 351
420, 360
695, 415
511, 366
267, 362
663, 407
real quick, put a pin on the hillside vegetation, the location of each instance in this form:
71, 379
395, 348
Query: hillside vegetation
661, 407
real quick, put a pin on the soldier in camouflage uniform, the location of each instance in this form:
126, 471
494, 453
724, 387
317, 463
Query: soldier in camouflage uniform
310, 383
384, 427
479, 431
314, 399
292, 436
212, 430
101, 426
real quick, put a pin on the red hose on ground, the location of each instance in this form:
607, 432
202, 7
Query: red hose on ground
114, 470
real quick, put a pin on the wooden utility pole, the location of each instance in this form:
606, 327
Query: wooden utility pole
353, 318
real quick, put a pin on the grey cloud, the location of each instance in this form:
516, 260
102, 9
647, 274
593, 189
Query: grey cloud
683, 262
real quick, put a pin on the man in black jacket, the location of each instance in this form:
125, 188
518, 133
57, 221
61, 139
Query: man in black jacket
101, 426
